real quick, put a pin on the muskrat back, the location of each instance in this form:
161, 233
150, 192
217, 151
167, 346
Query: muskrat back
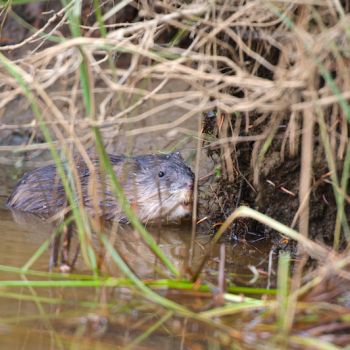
156, 186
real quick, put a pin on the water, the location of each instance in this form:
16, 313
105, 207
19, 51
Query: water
100, 318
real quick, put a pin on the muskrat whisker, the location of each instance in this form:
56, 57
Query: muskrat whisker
154, 209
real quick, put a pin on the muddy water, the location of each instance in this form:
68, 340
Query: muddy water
54, 318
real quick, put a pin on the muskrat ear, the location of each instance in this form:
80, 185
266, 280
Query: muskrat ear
127, 167
141, 163
176, 155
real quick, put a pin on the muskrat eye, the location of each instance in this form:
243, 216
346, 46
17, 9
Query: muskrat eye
161, 173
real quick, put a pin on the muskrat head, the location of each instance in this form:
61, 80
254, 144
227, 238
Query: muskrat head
164, 185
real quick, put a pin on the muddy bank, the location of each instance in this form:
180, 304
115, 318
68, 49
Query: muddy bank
269, 182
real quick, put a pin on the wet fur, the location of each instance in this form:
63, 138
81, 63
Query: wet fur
41, 191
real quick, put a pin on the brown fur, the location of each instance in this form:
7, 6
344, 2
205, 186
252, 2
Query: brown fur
41, 191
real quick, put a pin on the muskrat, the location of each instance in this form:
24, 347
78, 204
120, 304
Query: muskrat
156, 186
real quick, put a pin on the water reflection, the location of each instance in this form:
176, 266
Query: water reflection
25, 233
174, 240
100, 318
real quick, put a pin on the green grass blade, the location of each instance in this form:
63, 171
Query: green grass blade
149, 331
341, 218
283, 291
118, 192
313, 343
49, 300
41, 250
148, 293
82, 227
99, 18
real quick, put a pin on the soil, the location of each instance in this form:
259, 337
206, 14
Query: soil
276, 192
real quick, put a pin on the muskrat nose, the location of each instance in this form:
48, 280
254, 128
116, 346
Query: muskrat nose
190, 186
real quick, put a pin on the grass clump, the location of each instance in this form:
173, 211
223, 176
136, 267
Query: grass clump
257, 93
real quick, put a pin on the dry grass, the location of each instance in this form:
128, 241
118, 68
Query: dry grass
274, 66
276, 73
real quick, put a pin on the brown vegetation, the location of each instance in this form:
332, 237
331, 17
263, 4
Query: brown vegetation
254, 93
